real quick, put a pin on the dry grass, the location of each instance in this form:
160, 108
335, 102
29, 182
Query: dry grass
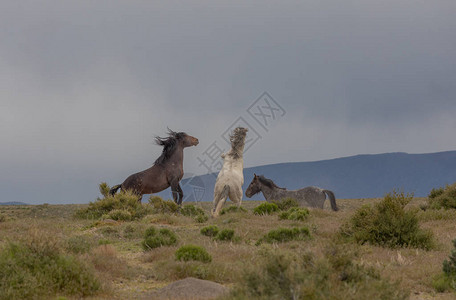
129, 272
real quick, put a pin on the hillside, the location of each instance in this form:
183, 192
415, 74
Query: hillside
360, 176
106, 259
13, 203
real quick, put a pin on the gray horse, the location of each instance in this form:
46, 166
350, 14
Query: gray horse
309, 196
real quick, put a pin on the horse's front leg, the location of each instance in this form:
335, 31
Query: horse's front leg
178, 195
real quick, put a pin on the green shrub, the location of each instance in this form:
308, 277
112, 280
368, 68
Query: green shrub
443, 197
442, 283
151, 231
449, 266
192, 252
284, 275
104, 189
225, 235
118, 215
124, 201
295, 214
78, 244
104, 242
109, 231
447, 280
132, 231
232, 209
197, 213
191, 210
435, 192
210, 230
30, 271
436, 214
161, 206
172, 270
282, 235
286, 203
201, 218
265, 209
170, 219
388, 224
154, 239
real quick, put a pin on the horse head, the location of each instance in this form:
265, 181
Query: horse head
184, 138
254, 186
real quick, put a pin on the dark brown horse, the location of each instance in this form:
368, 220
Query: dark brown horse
167, 170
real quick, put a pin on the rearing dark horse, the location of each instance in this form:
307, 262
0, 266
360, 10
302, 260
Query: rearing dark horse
167, 170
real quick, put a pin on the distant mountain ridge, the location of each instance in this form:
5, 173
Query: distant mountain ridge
359, 176
13, 203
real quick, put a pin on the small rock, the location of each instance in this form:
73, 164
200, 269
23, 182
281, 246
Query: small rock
189, 289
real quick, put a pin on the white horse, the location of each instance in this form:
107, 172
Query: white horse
231, 178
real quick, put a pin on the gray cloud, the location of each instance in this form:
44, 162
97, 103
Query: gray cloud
85, 86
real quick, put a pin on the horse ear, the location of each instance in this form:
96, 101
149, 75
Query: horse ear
254, 175
170, 132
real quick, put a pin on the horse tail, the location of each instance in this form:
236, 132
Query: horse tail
114, 189
332, 199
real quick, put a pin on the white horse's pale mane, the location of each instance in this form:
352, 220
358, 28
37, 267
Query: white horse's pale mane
230, 178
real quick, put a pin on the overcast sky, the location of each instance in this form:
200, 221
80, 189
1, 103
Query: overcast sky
86, 85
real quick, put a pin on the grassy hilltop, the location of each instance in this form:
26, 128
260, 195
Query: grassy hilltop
106, 251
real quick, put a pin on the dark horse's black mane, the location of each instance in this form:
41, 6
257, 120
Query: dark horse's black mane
269, 183
169, 145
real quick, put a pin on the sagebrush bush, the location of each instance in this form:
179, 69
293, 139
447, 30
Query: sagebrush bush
196, 213
191, 210
449, 266
232, 209
201, 218
192, 252
123, 201
132, 231
435, 192
104, 189
171, 270
165, 218
154, 239
210, 230
161, 206
281, 235
225, 235
286, 275
30, 271
286, 203
265, 208
447, 280
295, 214
441, 283
118, 215
79, 244
443, 197
388, 224
109, 231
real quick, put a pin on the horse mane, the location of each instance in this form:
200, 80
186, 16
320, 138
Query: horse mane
269, 183
237, 140
169, 145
